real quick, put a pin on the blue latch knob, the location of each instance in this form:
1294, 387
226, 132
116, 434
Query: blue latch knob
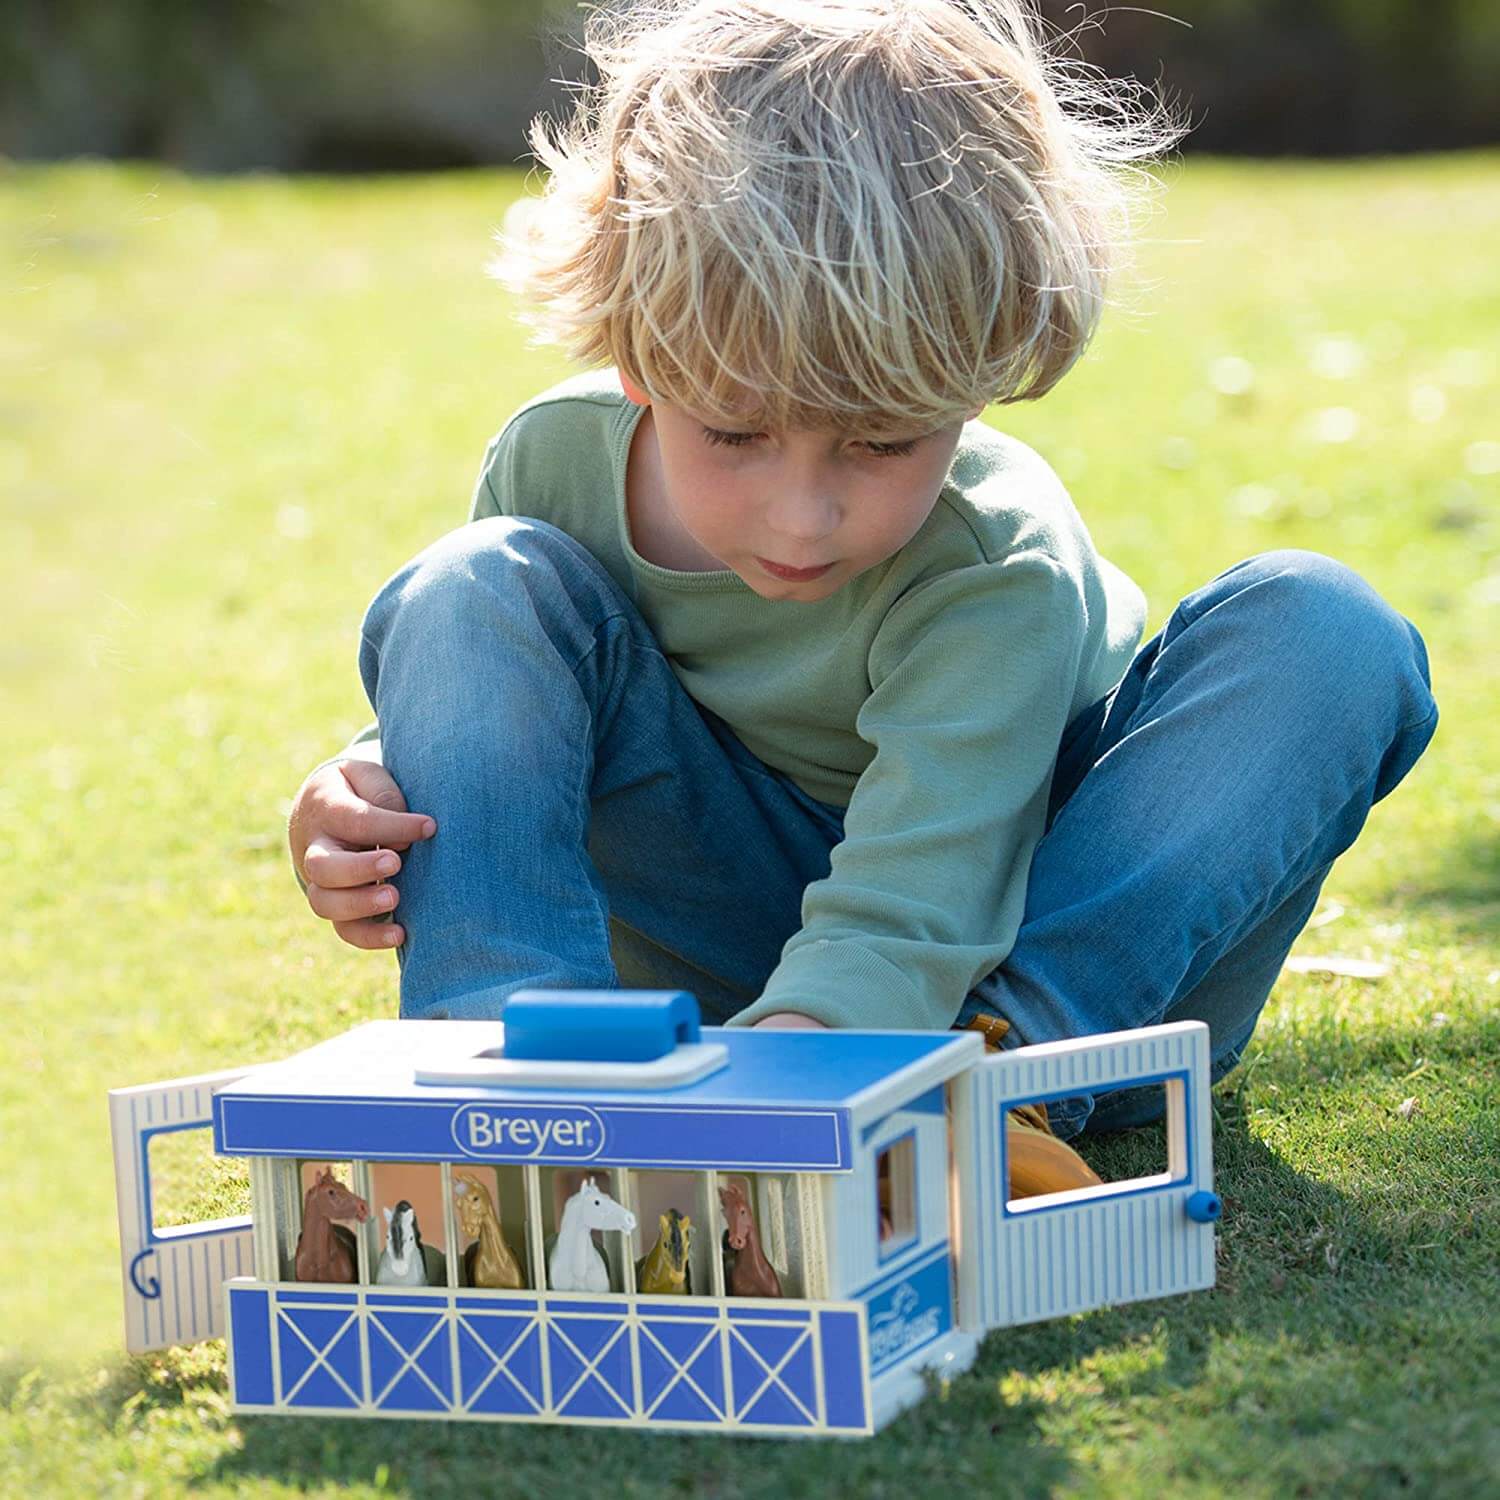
1204, 1208
598, 1025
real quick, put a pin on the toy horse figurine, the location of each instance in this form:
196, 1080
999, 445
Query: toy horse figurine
489, 1261
403, 1262
747, 1272
665, 1270
326, 1251
575, 1264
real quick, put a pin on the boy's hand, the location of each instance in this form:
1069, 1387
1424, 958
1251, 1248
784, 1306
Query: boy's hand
789, 1020
347, 821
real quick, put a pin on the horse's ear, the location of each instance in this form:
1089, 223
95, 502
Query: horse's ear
387, 1217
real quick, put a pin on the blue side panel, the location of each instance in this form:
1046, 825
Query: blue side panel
319, 1349
771, 1373
250, 1333
590, 1362
409, 1360
843, 1371
681, 1356
910, 1310
500, 1364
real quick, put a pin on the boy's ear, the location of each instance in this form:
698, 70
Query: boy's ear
633, 392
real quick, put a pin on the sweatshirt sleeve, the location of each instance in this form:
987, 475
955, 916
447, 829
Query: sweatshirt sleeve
972, 677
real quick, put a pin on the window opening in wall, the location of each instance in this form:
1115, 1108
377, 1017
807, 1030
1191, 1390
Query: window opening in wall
762, 1239
896, 1195
327, 1247
673, 1241
587, 1230
407, 1225
1042, 1172
189, 1184
489, 1205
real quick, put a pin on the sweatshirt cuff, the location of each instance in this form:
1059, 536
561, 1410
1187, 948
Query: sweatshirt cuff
845, 984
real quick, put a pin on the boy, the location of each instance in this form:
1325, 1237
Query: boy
764, 669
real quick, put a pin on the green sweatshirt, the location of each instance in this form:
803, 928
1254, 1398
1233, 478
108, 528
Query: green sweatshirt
927, 697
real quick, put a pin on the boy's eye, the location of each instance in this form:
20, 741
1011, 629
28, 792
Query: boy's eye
722, 439
728, 439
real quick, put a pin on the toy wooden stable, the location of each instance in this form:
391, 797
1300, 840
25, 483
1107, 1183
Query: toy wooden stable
568, 1216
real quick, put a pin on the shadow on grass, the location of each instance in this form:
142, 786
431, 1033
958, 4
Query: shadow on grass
1458, 885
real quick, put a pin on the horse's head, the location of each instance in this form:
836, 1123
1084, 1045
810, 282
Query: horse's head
735, 1201
676, 1237
330, 1198
473, 1203
402, 1234
599, 1210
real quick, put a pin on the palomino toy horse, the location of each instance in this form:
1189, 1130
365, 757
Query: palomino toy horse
575, 1264
665, 1271
747, 1272
489, 1261
326, 1251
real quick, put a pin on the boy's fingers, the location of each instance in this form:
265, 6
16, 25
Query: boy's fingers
336, 868
351, 905
370, 934
359, 822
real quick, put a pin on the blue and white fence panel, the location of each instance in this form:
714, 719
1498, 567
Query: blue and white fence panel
1067, 1252
174, 1275
692, 1363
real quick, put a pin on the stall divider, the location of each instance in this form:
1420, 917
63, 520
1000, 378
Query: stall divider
626, 1185
532, 1177
812, 1192
360, 1181
290, 1220
711, 1228
450, 1225
532, 1180
263, 1218
771, 1217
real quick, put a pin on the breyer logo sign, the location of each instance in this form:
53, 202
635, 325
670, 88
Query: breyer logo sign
523, 1132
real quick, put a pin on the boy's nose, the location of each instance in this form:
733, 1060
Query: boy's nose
804, 520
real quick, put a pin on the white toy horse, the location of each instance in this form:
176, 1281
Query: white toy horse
402, 1262
575, 1264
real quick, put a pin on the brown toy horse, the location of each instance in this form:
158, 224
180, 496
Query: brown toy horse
747, 1272
325, 1250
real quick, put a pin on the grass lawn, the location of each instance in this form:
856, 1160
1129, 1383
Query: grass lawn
235, 407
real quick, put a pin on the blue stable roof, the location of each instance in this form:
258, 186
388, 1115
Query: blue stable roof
786, 1101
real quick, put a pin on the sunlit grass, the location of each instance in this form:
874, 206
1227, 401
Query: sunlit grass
232, 408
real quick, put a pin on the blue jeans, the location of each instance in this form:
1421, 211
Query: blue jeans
597, 828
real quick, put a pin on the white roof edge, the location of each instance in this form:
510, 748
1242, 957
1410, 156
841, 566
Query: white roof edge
964, 1049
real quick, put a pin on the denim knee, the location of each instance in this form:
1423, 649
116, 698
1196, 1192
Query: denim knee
1332, 640
501, 566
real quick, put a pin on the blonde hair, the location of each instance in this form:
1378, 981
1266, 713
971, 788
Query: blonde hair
842, 212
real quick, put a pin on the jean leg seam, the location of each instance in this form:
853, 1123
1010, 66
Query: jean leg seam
585, 801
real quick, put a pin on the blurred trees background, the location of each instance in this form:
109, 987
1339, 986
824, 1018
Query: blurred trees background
351, 85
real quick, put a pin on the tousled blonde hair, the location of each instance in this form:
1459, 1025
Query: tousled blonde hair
831, 212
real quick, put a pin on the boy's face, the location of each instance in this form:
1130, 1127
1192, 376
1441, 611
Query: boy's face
839, 501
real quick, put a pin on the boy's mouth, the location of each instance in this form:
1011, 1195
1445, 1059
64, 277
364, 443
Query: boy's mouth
792, 575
